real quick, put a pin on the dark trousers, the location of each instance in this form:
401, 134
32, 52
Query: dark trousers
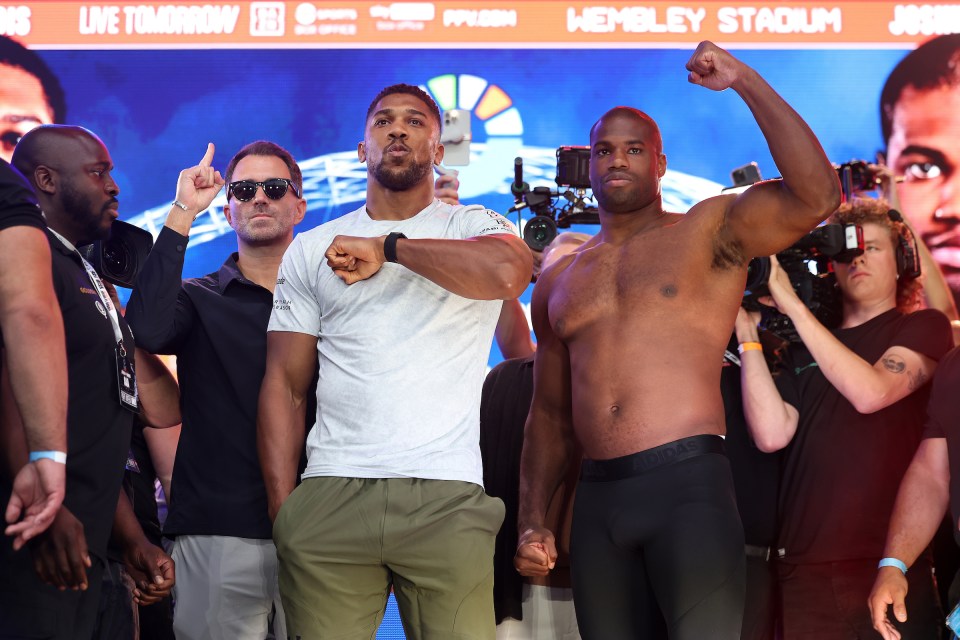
828, 601
120, 619
760, 615
116, 619
659, 554
31, 609
156, 621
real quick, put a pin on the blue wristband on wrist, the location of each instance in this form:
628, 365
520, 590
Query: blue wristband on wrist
56, 456
893, 562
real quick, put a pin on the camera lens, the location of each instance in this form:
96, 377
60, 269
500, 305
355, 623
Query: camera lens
539, 232
758, 274
116, 258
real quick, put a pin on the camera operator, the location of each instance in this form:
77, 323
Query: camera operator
55, 593
850, 401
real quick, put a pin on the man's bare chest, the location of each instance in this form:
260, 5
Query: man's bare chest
617, 286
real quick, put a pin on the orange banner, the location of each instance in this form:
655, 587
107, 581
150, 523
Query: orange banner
335, 24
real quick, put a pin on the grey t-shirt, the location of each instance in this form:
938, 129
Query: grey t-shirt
402, 360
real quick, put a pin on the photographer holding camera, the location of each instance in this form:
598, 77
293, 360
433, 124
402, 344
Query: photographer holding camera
863, 179
851, 403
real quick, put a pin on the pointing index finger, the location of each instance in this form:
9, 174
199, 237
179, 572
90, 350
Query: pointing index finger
208, 156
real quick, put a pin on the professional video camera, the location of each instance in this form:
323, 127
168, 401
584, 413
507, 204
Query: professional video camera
807, 264
118, 259
573, 170
855, 176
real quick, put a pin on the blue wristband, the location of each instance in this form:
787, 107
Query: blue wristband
56, 456
893, 562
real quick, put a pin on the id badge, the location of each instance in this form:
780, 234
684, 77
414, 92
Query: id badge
127, 381
953, 621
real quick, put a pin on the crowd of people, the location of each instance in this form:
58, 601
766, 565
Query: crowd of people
650, 467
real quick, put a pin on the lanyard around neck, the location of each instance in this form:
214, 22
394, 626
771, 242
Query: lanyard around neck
101, 292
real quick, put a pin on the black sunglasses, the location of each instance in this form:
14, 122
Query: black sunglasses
274, 188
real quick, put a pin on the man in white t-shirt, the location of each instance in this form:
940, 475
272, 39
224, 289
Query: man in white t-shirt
397, 302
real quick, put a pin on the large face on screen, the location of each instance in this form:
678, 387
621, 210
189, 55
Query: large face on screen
625, 161
401, 142
262, 221
924, 148
23, 106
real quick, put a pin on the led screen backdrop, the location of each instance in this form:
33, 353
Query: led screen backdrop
158, 80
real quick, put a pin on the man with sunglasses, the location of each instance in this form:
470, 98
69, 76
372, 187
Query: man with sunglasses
216, 326
397, 301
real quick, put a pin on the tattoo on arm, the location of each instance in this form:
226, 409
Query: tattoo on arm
917, 380
894, 364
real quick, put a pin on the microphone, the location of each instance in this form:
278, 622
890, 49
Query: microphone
519, 187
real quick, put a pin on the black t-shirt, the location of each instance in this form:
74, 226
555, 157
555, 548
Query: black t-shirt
98, 427
18, 205
217, 327
943, 421
843, 468
504, 405
756, 475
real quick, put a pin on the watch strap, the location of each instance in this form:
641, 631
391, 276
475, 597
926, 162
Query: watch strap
390, 246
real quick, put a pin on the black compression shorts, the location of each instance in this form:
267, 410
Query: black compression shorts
657, 546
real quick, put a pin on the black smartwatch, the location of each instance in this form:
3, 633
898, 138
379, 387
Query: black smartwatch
390, 246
